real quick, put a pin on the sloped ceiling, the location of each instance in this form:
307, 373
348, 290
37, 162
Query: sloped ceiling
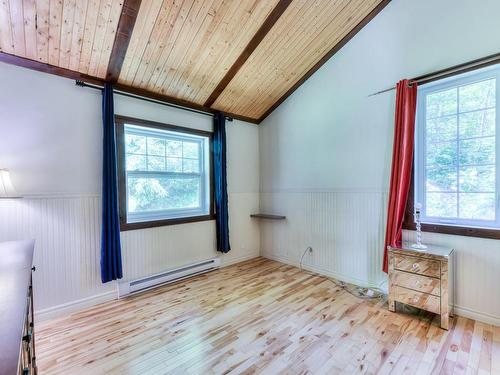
241, 57
70, 34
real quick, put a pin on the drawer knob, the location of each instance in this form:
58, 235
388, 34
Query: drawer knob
415, 299
417, 283
414, 266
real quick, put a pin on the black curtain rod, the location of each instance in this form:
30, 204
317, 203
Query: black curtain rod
449, 72
123, 93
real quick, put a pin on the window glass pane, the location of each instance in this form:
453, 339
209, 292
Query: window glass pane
477, 124
458, 163
135, 144
441, 179
441, 103
477, 179
442, 129
191, 166
156, 146
190, 150
443, 154
136, 162
441, 205
156, 163
164, 188
477, 151
477, 206
162, 193
174, 165
477, 95
174, 148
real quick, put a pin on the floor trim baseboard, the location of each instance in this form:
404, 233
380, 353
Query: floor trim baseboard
228, 260
459, 310
77, 305
477, 315
325, 272
73, 306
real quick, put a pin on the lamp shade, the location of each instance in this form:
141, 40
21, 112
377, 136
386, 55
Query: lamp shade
6, 188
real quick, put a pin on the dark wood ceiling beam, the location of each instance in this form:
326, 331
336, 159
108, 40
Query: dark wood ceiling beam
122, 39
128, 16
271, 19
176, 101
66, 73
325, 58
47, 68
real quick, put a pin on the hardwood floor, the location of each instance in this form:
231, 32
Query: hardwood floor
260, 316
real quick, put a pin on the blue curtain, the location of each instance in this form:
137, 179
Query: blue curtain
111, 257
220, 177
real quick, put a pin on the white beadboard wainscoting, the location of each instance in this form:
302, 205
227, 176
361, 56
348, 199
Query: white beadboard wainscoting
67, 234
345, 229
477, 276
331, 134
54, 151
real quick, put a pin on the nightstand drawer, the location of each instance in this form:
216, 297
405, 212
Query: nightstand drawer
420, 283
423, 301
420, 266
421, 279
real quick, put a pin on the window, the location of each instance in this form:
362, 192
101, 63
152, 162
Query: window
164, 174
457, 151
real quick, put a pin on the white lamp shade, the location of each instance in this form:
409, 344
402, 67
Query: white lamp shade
6, 188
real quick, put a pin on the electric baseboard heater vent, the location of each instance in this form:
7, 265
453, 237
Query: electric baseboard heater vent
135, 286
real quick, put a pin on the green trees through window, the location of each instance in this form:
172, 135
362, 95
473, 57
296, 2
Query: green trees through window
456, 152
166, 173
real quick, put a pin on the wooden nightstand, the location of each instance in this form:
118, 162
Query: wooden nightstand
422, 279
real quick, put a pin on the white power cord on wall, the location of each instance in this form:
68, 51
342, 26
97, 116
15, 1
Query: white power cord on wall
309, 248
356, 291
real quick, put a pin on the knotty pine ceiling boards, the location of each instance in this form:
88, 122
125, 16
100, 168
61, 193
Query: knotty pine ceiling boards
243, 57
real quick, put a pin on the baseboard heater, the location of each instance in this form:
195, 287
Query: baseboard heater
135, 286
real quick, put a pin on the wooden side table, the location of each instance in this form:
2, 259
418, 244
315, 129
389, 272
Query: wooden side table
423, 279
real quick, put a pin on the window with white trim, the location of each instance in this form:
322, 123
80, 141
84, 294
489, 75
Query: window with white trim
457, 150
167, 173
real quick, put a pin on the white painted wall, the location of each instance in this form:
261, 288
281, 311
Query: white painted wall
324, 162
329, 144
50, 139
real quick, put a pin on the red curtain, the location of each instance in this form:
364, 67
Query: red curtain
402, 159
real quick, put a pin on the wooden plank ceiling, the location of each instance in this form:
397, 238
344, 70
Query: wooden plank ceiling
242, 57
73, 34
191, 44
301, 37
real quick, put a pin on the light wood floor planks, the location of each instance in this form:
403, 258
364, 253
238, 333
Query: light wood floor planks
260, 316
